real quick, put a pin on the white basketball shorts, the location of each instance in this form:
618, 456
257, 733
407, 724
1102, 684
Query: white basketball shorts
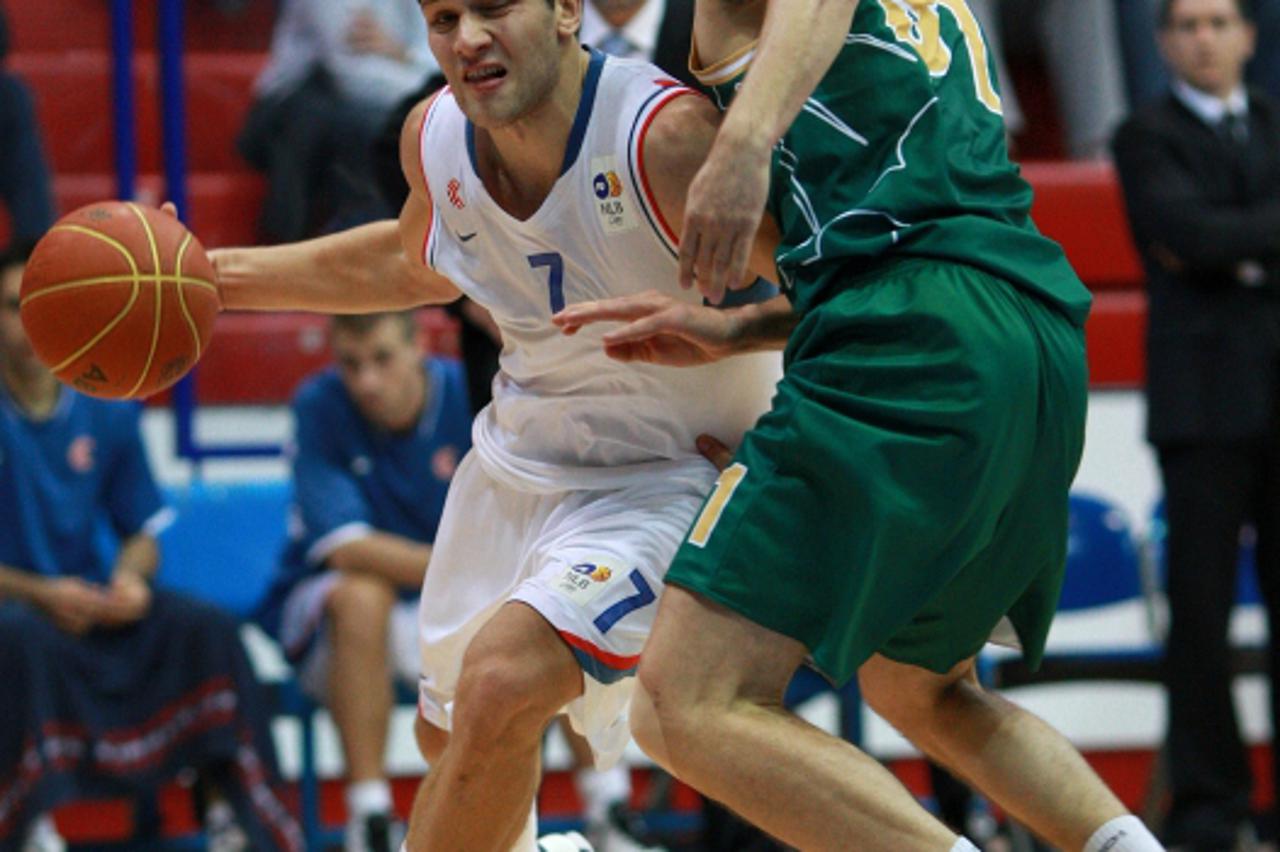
590, 562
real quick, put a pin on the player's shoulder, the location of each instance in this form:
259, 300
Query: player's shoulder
634, 82
320, 392
679, 132
415, 124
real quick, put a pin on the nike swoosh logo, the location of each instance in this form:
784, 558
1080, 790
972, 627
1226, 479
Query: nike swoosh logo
465, 237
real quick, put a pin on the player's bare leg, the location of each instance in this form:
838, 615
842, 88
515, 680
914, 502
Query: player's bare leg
516, 675
431, 740
1009, 754
708, 707
360, 696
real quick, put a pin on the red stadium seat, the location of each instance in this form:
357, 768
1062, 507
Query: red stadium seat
1080, 205
259, 358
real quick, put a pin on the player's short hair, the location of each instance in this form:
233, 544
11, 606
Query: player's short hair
362, 324
1166, 11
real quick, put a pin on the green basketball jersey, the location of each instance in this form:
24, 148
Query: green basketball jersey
900, 151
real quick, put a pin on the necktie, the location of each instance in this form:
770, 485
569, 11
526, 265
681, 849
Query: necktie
616, 44
1234, 127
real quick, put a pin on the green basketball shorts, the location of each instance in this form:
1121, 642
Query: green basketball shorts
908, 488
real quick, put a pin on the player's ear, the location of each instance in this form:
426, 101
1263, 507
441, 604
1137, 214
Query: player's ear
568, 17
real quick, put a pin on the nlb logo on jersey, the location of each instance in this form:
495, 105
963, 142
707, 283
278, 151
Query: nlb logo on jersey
612, 205
593, 572
584, 581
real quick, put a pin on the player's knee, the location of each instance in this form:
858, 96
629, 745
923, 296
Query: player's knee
359, 603
431, 740
502, 698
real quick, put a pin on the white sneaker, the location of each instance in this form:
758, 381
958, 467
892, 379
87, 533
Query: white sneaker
43, 836
570, 841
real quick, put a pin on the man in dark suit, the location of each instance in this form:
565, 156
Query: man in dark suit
658, 31
1201, 175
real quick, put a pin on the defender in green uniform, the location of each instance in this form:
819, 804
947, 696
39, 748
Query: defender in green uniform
906, 495
932, 407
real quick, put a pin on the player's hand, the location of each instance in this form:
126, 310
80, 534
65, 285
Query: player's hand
172, 209
73, 604
658, 329
721, 216
715, 451
128, 599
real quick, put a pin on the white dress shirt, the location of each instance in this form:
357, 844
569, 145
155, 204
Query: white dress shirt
641, 32
314, 32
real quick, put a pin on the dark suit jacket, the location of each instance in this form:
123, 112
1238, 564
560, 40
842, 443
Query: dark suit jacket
675, 34
1199, 207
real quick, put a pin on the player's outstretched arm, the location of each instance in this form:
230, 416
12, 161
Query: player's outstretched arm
375, 267
361, 270
799, 41
659, 329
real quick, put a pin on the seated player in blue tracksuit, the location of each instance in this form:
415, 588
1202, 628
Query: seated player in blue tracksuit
377, 438
110, 686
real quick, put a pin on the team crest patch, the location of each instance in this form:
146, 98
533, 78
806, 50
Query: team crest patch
80, 454
444, 462
583, 582
612, 203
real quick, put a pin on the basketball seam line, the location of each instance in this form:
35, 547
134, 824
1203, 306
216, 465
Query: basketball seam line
182, 299
107, 329
120, 279
157, 309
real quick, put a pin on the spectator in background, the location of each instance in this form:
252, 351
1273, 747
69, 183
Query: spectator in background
1201, 176
1081, 46
377, 440
111, 686
25, 185
1147, 76
657, 31
336, 72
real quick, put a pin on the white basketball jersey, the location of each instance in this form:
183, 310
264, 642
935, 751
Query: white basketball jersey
564, 415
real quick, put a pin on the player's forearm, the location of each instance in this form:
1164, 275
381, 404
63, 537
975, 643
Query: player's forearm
19, 585
139, 555
360, 270
399, 560
797, 46
764, 325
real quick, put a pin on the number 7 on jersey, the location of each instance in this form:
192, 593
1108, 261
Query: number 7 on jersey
554, 263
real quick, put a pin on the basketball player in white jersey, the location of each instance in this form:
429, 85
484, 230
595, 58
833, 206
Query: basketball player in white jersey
544, 175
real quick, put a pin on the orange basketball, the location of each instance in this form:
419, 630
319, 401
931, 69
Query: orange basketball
119, 300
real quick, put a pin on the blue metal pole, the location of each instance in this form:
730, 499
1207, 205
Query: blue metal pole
173, 118
174, 126
173, 112
126, 152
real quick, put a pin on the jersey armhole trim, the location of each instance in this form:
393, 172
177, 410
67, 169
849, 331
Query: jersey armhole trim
635, 162
428, 238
